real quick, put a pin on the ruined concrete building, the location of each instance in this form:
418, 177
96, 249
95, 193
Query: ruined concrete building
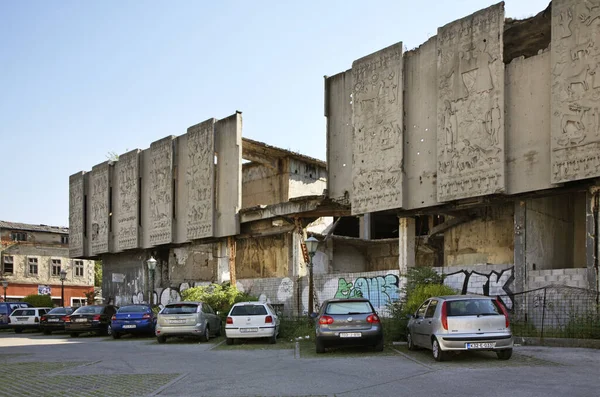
477, 153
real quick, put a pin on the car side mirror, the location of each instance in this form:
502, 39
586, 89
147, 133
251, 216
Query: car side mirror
313, 315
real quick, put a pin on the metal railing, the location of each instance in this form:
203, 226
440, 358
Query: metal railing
556, 312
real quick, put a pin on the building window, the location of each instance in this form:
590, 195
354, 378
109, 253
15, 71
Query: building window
78, 268
56, 267
18, 236
76, 302
64, 239
8, 264
33, 265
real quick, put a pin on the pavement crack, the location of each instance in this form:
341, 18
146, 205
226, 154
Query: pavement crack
167, 385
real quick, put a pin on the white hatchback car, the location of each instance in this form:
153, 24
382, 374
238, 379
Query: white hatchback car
27, 318
252, 320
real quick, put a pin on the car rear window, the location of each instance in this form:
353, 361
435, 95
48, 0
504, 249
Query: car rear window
180, 308
89, 310
24, 312
248, 310
348, 308
61, 310
134, 309
473, 307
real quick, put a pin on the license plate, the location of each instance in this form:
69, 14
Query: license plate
177, 322
52, 320
350, 334
129, 326
81, 320
248, 329
490, 345
22, 318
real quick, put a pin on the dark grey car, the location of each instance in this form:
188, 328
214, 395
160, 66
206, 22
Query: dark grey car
348, 322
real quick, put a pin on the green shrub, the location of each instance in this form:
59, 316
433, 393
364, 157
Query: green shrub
39, 300
219, 297
418, 276
423, 292
292, 328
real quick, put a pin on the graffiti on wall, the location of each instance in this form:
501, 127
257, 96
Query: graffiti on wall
380, 290
492, 283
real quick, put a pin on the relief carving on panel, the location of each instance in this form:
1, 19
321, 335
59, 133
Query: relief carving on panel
377, 174
200, 180
127, 175
470, 137
161, 189
99, 201
76, 223
575, 55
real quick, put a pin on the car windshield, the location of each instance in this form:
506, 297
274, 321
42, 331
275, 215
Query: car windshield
348, 308
473, 307
89, 310
180, 308
248, 310
134, 309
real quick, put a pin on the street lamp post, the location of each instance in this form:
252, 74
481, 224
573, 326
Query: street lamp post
5, 285
151, 266
311, 247
63, 277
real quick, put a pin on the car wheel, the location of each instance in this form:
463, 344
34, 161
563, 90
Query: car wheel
18, 330
116, 335
229, 341
409, 342
206, 336
379, 345
74, 334
161, 339
504, 354
438, 353
47, 332
320, 346
273, 339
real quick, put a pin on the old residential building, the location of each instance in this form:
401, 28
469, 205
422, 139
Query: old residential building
33, 257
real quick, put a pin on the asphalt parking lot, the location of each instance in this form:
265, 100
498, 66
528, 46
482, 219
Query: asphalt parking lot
35, 365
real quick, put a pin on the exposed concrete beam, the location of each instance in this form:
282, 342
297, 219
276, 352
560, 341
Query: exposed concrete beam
271, 162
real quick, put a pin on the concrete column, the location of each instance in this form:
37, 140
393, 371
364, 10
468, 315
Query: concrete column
592, 243
223, 273
299, 267
406, 237
520, 239
365, 227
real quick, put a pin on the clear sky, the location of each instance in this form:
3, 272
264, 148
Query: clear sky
80, 79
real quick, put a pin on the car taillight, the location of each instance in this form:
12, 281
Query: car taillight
67, 319
146, 316
373, 319
229, 320
268, 320
36, 320
64, 318
96, 317
43, 318
326, 320
445, 315
504, 311
113, 318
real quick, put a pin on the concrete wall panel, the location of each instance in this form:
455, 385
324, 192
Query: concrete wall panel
99, 208
575, 91
260, 257
420, 127
160, 192
126, 204
527, 94
305, 179
471, 106
338, 110
76, 215
200, 180
377, 120
228, 145
182, 161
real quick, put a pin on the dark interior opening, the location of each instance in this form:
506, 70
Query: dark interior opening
348, 226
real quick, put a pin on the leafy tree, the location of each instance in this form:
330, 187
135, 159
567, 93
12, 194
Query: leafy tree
39, 300
219, 297
98, 274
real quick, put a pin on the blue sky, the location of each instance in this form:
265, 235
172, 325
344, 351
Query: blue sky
80, 79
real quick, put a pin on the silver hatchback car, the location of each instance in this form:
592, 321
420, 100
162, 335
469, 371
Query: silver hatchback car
454, 323
187, 319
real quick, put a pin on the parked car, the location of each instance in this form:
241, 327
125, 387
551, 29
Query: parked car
54, 320
133, 319
343, 322
27, 318
6, 308
252, 320
91, 318
187, 319
457, 323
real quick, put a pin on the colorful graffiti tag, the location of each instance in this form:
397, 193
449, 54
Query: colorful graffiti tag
380, 290
492, 283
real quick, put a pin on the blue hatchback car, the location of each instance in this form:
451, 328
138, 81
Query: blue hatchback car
133, 319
